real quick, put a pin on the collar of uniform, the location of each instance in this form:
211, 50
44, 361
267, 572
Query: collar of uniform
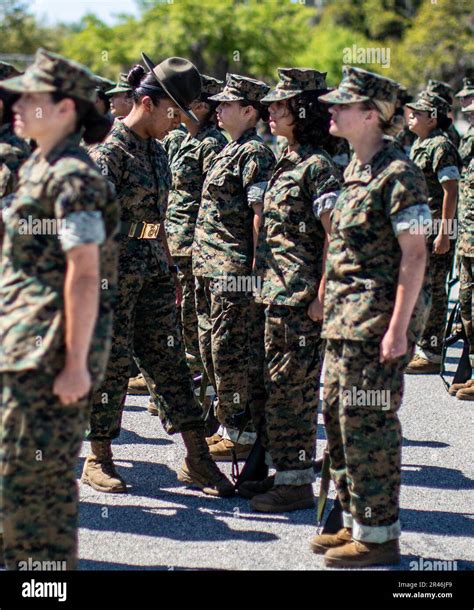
356, 172
201, 134
128, 135
296, 156
436, 132
70, 141
249, 134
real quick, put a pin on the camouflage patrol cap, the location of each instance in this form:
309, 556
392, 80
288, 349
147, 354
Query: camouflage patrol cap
51, 72
7, 70
429, 101
121, 86
467, 88
359, 85
241, 88
442, 89
211, 85
469, 108
293, 82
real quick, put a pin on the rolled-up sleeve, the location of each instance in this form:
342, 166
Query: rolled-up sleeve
84, 227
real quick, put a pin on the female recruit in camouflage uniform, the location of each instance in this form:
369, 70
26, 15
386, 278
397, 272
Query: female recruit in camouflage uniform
465, 252
223, 253
437, 157
188, 169
13, 149
145, 317
49, 295
375, 270
299, 197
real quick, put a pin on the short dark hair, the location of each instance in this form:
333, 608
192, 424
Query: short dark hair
311, 120
96, 126
262, 111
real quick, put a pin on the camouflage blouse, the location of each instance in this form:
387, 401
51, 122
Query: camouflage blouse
303, 186
189, 169
364, 255
223, 240
56, 192
465, 243
439, 161
138, 169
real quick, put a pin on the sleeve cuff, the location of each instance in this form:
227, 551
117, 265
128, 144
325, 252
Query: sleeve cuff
416, 219
84, 227
256, 192
325, 203
448, 173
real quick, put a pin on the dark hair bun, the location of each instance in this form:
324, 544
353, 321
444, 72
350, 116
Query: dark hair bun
135, 76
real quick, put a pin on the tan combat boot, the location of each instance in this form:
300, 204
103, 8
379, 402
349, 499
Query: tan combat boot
322, 543
284, 498
137, 385
453, 390
99, 470
422, 366
221, 451
249, 489
199, 469
152, 408
467, 392
357, 554
215, 438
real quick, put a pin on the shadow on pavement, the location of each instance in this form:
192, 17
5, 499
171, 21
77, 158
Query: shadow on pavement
435, 476
433, 444
187, 523
436, 522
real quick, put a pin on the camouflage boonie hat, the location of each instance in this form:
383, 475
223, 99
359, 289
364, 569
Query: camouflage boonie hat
428, 101
211, 85
442, 89
8, 71
469, 108
103, 84
293, 81
359, 85
51, 72
241, 88
467, 88
121, 86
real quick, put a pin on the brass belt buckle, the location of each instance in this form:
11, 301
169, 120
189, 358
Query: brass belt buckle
149, 231
131, 231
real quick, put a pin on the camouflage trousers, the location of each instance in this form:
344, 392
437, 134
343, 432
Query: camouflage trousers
431, 341
145, 325
226, 325
466, 280
291, 372
360, 404
189, 322
40, 444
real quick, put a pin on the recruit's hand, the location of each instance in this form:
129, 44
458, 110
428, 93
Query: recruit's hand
393, 346
72, 384
315, 310
441, 244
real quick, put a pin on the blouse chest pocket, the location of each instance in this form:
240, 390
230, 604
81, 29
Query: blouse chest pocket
353, 213
224, 177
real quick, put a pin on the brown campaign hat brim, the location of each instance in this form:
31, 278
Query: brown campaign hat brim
154, 69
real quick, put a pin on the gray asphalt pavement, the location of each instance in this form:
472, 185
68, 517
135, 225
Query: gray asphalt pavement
161, 524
